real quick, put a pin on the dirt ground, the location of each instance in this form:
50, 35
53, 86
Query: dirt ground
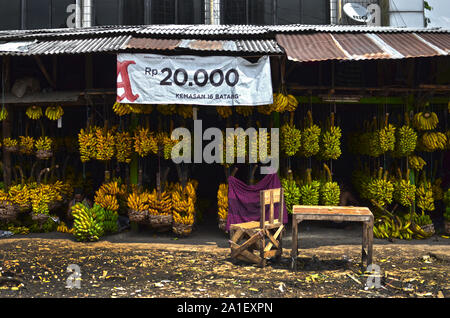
38, 267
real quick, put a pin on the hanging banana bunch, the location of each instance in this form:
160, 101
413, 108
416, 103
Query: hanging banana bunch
44, 143
245, 111
124, 146
330, 141
404, 192
281, 102
265, 109
310, 138
416, 162
144, 142
425, 120
310, 190
406, 140
290, 138
222, 201
3, 113
386, 136
87, 144
330, 192
380, 189
291, 192
185, 111
224, 111
438, 192
54, 112
34, 112
122, 109
105, 144
424, 195
166, 109
432, 141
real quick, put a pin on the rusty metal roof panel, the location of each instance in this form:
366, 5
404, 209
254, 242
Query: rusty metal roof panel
302, 28
310, 47
408, 45
359, 46
441, 41
152, 44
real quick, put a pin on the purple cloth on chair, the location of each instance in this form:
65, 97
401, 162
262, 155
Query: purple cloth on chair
243, 200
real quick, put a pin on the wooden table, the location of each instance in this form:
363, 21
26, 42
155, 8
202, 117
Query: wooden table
334, 213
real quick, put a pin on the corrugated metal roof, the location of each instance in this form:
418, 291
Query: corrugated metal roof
352, 46
74, 46
299, 28
249, 46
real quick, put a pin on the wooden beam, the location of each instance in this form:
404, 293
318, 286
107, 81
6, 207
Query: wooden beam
44, 71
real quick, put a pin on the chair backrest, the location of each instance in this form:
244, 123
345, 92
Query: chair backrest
270, 197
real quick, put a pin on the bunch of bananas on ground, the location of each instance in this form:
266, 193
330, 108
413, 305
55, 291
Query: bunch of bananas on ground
416, 162
145, 142
432, 141
330, 141
222, 201
16, 229
404, 192
185, 111
290, 139
34, 112
291, 192
3, 114
105, 143
392, 227
425, 120
26, 145
54, 112
87, 144
124, 146
166, 109
10, 142
62, 227
44, 143
87, 222
330, 192
309, 190
183, 202
224, 111
42, 195
165, 203
406, 141
245, 111
380, 189
20, 195
310, 138
424, 195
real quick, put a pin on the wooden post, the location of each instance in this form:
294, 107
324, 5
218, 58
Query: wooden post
294, 248
7, 123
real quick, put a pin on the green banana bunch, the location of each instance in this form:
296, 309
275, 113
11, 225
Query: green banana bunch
310, 138
424, 196
386, 136
291, 192
406, 141
380, 189
310, 190
290, 139
87, 223
404, 192
330, 192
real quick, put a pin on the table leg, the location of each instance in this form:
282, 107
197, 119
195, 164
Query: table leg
294, 249
364, 243
369, 242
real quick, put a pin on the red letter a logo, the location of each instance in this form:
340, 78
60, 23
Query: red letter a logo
122, 69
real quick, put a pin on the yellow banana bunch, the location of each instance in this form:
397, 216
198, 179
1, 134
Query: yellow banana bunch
106, 201
244, 110
34, 112
222, 201
185, 111
105, 144
280, 102
3, 114
145, 142
187, 219
26, 145
438, 192
166, 109
124, 146
62, 227
265, 109
380, 189
44, 143
54, 112
416, 162
425, 121
424, 196
292, 103
20, 195
10, 142
431, 141
224, 111
122, 109
138, 201
87, 144
404, 192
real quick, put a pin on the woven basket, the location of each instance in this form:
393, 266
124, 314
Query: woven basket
429, 228
447, 226
138, 216
160, 220
222, 224
182, 229
44, 154
8, 211
11, 148
39, 217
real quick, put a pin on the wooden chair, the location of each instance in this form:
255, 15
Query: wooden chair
264, 237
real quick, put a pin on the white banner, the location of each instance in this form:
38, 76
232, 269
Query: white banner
186, 79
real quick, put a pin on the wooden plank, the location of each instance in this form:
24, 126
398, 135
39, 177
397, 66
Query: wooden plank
247, 256
271, 208
236, 251
273, 239
237, 235
281, 206
331, 210
270, 254
262, 219
276, 195
294, 250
